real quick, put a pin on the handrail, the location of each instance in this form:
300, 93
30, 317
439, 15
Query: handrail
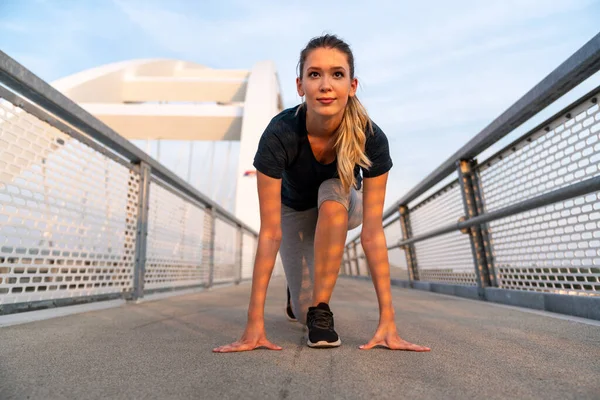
21, 80
577, 189
580, 66
543, 125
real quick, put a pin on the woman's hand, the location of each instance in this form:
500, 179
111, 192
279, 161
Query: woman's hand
387, 336
253, 338
269, 239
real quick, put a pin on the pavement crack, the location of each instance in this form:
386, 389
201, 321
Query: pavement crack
330, 374
285, 390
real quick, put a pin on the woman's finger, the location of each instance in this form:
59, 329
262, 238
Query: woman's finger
235, 346
220, 348
372, 343
400, 344
241, 346
267, 344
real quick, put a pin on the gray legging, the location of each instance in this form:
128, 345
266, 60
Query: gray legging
298, 240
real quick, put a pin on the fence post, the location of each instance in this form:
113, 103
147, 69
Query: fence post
347, 263
255, 251
466, 183
143, 205
409, 249
359, 262
209, 244
356, 259
485, 230
238, 259
349, 266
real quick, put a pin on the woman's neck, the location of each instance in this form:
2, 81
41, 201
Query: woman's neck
322, 126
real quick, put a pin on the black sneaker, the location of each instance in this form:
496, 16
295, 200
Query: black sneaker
319, 321
288, 308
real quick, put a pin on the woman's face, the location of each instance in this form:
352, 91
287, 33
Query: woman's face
326, 82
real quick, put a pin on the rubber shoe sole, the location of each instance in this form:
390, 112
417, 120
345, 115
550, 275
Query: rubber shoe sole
288, 315
322, 344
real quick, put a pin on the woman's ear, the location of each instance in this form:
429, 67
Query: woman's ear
353, 86
299, 87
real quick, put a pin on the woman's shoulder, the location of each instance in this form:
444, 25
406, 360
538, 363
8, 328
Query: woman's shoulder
287, 121
375, 129
378, 151
284, 132
279, 143
375, 133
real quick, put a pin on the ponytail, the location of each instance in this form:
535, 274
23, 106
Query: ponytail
350, 143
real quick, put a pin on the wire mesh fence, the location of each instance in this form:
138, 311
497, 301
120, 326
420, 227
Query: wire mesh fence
528, 218
70, 221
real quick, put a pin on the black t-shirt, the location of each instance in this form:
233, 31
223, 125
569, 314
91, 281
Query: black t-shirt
284, 152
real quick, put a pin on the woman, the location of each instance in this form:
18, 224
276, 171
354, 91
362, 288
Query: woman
311, 193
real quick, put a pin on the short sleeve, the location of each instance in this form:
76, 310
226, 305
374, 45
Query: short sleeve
271, 156
378, 151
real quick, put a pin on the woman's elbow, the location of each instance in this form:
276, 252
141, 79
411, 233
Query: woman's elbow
272, 235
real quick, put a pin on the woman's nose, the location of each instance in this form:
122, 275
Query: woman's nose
325, 85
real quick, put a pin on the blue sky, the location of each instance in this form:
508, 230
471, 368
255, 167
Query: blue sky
432, 73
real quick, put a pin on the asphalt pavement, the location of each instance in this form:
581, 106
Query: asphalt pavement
163, 350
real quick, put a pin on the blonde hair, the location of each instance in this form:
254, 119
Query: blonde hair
351, 135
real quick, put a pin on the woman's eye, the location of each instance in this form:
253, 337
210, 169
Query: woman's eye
313, 74
338, 74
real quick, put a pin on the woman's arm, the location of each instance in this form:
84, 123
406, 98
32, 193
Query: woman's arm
374, 244
269, 239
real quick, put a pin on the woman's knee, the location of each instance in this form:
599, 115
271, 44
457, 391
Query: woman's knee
333, 190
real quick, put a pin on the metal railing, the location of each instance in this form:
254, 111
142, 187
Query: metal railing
86, 215
527, 218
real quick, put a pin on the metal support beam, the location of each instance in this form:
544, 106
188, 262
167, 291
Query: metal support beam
484, 228
466, 182
409, 250
139, 272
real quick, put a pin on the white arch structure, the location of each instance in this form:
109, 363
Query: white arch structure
157, 99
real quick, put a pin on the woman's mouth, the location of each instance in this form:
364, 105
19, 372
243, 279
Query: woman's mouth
325, 100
